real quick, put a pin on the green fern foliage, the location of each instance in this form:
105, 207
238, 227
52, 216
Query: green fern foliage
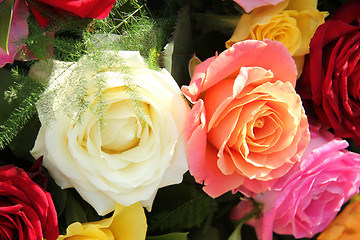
25, 92
127, 28
79, 44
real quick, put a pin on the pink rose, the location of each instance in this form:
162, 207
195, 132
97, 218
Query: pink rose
308, 197
18, 32
249, 5
247, 126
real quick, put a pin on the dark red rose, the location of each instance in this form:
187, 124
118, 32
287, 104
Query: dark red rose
330, 83
36, 174
43, 10
27, 211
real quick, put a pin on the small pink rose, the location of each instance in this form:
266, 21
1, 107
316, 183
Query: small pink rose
249, 5
308, 197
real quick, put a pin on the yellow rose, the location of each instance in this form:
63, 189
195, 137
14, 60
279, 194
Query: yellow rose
291, 22
346, 225
127, 223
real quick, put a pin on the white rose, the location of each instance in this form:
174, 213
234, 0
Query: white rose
129, 159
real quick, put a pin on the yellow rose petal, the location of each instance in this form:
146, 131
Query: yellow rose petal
77, 231
307, 22
302, 5
129, 223
126, 223
291, 22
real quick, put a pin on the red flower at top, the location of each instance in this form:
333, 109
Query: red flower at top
43, 9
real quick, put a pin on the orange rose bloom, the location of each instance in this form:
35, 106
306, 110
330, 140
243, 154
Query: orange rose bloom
247, 127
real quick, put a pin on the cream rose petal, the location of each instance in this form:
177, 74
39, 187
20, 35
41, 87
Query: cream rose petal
136, 152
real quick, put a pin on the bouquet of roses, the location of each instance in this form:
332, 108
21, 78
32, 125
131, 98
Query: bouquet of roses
129, 119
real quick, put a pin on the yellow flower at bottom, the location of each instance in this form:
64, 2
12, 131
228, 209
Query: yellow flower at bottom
127, 223
346, 225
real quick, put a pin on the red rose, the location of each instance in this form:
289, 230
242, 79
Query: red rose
27, 211
330, 83
43, 9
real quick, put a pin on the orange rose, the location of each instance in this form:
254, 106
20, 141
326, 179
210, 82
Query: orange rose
247, 127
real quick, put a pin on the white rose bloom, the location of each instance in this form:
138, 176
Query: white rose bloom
128, 159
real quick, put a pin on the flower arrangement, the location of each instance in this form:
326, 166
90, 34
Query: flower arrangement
159, 120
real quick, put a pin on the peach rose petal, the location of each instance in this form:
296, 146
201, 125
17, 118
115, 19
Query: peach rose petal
193, 90
215, 181
229, 123
225, 162
202, 165
251, 53
224, 93
220, 135
247, 115
196, 135
265, 54
247, 168
227, 119
216, 100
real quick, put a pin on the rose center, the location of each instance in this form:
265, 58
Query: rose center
282, 28
259, 123
122, 129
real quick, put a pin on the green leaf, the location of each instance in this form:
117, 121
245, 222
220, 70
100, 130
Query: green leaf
194, 61
236, 235
40, 42
256, 212
6, 13
180, 207
222, 23
166, 56
170, 236
6, 107
59, 195
178, 52
74, 211
18, 118
25, 139
39, 46
213, 233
